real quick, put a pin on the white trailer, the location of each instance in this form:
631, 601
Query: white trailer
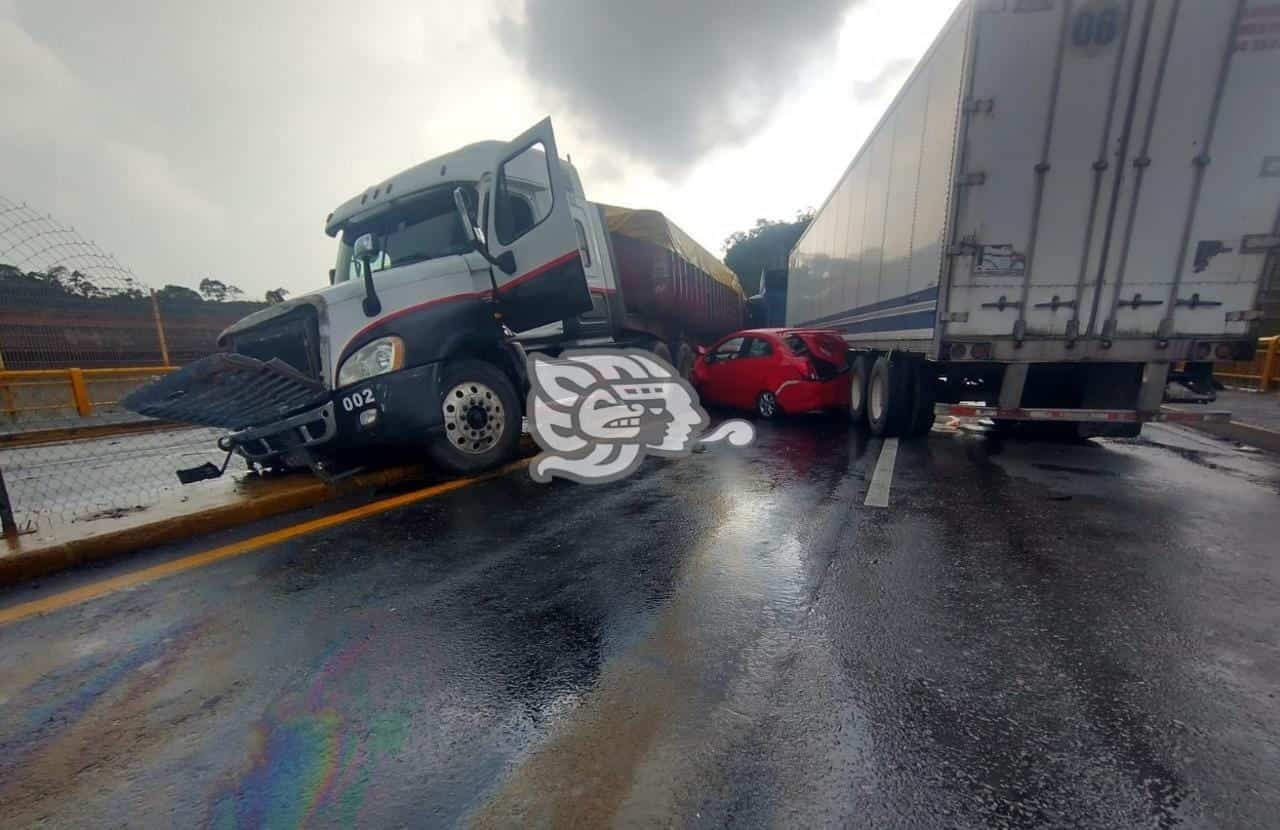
1066, 198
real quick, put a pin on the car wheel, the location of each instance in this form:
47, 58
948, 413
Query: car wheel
888, 397
767, 405
481, 415
859, 369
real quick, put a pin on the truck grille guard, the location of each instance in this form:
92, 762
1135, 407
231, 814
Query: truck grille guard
228, 391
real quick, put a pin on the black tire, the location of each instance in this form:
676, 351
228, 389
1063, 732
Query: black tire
662, 350
767, 406
888, 397
924, 394
684, 359
471, 441
859, 370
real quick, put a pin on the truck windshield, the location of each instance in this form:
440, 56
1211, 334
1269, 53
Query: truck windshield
425, 228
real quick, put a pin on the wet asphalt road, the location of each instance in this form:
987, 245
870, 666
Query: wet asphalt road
1030, 634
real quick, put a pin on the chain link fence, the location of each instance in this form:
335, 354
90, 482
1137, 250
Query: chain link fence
78, 331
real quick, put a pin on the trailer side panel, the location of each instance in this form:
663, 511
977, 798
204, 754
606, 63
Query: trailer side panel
871, 262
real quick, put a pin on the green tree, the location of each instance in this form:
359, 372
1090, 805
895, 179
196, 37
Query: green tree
276, 295
767, 245
178, 294
218, 291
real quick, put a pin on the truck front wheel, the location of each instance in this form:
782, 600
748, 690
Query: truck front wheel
481, 418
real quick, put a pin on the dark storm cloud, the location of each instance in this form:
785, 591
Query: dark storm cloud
205, 139
667, 81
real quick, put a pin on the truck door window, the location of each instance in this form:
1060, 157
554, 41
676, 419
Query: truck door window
582, 244
523, 197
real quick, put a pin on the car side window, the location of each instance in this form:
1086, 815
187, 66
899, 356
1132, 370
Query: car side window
757, 347
728, 350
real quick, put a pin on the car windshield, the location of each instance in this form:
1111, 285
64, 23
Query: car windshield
425, 228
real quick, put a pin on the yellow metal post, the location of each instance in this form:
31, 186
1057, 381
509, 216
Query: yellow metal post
6, 395
8, 526
80, 392
155, 313
1270, 364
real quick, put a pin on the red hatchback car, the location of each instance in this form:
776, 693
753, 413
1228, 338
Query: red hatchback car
775, 371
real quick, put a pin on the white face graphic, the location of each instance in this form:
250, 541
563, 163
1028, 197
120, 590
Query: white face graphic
661, 415
597, 413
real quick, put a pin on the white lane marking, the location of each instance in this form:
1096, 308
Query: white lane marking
878, 492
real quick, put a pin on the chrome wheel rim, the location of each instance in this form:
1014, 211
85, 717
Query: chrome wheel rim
474, 417
855, 393
768, 405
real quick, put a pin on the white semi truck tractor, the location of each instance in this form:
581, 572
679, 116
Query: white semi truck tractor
446, 275
1066, 199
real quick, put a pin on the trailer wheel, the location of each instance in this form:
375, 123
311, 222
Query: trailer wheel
662, 350
888, 397
481, 418
859, 370
924, 394
684, 359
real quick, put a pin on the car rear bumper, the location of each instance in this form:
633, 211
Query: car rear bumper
809, 395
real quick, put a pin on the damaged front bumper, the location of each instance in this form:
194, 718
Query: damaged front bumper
292, 438
228, 391
276, 416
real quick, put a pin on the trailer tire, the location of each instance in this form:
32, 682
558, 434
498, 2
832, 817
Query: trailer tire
481, 418
684, 360
924, 394
888, 397
859, 370
661, 349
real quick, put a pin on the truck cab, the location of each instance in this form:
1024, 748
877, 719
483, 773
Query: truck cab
445, 275
414, 340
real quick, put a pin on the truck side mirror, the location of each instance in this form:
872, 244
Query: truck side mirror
366, 250
474, 235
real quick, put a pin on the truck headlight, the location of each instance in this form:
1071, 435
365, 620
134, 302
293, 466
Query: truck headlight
386, 354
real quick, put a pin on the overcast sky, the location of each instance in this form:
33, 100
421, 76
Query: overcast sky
211, 139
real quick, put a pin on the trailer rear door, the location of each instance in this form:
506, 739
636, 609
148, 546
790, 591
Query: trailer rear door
1127, 143
1041, 126
1204, 172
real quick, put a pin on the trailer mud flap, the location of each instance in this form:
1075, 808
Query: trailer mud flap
228, 391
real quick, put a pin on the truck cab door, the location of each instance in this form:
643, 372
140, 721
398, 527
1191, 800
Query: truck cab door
530, 226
